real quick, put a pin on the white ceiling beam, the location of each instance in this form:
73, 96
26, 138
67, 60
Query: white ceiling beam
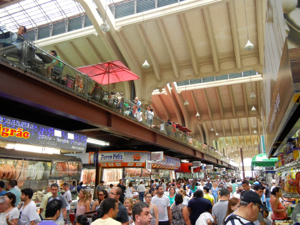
79, 54
169, 48
234, 32
223, 127
241, 127
195, 103
245, 142
245, 99
232, 143
258, 126
153, 60
238, 140
251, 138
231, 126
207, 103
258, 96
62, 55
211, 39
232, 100
172, 100
92, 48
219, 101
260, 30
180, 101
184, 26
163, 106
249, 125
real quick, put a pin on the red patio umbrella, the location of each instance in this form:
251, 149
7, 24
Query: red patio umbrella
108, 72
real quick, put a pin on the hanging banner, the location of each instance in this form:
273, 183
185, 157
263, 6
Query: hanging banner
148, 165
21, 131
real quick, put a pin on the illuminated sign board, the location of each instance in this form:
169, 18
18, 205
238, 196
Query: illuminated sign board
21, 131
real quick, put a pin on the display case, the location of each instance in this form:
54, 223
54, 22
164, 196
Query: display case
167, 175
37, 171
136, 175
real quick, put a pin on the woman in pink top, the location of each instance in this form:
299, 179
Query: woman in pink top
277, 208
83, 205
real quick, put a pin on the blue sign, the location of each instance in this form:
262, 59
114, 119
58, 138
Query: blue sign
21, 131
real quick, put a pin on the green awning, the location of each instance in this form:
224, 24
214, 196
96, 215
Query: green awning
262, 160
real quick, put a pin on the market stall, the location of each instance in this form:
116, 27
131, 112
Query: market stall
264, 167
130, 166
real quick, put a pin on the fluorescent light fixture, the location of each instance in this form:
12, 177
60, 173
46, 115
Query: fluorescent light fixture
97, 142
71, 136
32, 148
57, 133
185, 161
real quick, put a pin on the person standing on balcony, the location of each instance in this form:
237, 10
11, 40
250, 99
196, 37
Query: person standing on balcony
55, 66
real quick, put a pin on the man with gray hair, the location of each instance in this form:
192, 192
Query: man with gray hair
248, 211
229, 188
219, 209
4, 202
141, 214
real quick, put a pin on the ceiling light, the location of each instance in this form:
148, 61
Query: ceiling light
32, 148
226, 143
253, 108
249, 46
186, 102
198, 115
252, 95
255, 142
97, 142
212, 129
105, 27
185, 161
255, 132
217, 134
146, 65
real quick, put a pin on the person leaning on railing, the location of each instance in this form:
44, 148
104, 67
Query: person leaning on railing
56, 65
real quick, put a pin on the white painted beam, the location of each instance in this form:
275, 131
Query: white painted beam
169, 48
234, 32
232, 100
78, 53
172, 100
163, 107
231, 126
207, 103
245, 99
195, 103
211, 39
188, 38
219, 101
92, 48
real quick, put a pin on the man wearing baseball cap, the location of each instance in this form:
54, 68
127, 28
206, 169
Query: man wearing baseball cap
248, 211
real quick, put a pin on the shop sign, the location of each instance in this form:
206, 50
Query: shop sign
21, 131
110, 157
168, 163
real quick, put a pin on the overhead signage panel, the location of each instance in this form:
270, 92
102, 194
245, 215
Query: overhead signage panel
22, 131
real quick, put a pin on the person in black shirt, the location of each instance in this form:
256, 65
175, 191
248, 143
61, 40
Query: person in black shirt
268, 196
123, 188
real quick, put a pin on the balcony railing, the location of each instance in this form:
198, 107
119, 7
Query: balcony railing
32, 59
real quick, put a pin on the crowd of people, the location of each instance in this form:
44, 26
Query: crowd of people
181, 202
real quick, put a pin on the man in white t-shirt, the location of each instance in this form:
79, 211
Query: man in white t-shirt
28, 214
141, 189
163, 205
67, 195
110, 210
205, 219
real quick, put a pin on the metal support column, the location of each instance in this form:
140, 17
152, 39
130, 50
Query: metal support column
242, 158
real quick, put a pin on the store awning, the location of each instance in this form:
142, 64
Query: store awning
262, 160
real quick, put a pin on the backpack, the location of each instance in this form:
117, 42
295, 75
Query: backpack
233, 217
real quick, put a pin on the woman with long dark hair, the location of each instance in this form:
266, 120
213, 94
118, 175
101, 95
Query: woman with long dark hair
102, 195
180, 212
12, 213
